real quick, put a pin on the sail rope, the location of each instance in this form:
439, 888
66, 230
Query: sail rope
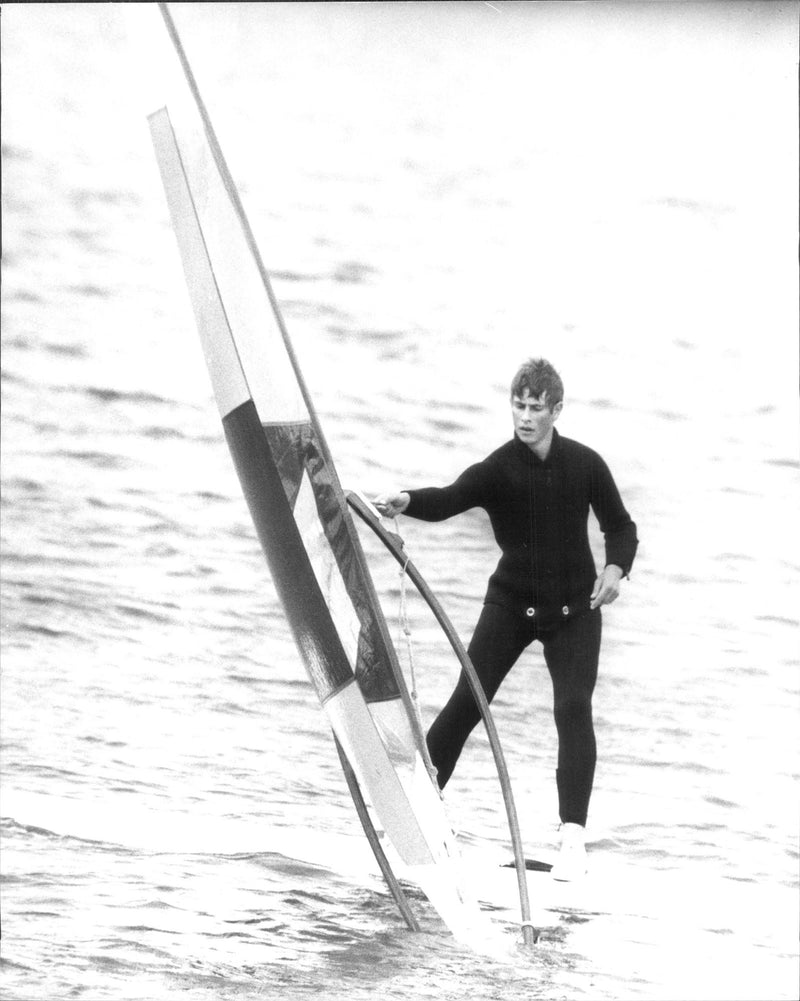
404, 626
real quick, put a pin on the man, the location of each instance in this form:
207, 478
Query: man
537, 489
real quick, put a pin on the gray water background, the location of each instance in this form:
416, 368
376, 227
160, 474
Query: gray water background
439, 191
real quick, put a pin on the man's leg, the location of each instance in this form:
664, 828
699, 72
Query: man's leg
498, 640
572, 655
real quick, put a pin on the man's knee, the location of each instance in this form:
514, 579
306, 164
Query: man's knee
574, 709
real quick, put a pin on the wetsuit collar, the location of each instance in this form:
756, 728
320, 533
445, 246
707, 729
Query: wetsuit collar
555, 448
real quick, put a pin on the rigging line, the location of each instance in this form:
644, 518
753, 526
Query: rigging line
404, 625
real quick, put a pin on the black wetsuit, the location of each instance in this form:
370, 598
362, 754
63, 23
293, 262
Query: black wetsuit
541, 589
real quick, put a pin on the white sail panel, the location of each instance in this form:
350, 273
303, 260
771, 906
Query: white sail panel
326, 569
227, 377
251, 316
353, 725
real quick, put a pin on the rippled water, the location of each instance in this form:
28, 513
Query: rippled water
440, 190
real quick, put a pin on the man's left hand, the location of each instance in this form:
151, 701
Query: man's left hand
606, 587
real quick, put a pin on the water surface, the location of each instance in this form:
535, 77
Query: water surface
439, 190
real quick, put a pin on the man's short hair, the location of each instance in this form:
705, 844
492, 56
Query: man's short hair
538, 376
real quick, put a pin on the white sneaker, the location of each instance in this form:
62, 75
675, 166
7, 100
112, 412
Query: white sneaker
571, 862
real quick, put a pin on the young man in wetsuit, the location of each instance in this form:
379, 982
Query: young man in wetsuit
537, 489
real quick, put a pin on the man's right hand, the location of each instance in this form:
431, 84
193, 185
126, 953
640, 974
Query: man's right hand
390, 505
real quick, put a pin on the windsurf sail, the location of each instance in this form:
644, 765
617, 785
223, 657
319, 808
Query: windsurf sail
298, 507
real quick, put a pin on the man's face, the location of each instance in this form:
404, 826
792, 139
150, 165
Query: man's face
533, 419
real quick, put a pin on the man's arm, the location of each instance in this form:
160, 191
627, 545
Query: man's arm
615, 523
437, 503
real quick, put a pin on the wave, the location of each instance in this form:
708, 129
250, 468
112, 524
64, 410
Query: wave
10, 152
352, 272
161, 433
90, 290
293, 276
13, 827
66, 350
109, 395
138, 612
99, 460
